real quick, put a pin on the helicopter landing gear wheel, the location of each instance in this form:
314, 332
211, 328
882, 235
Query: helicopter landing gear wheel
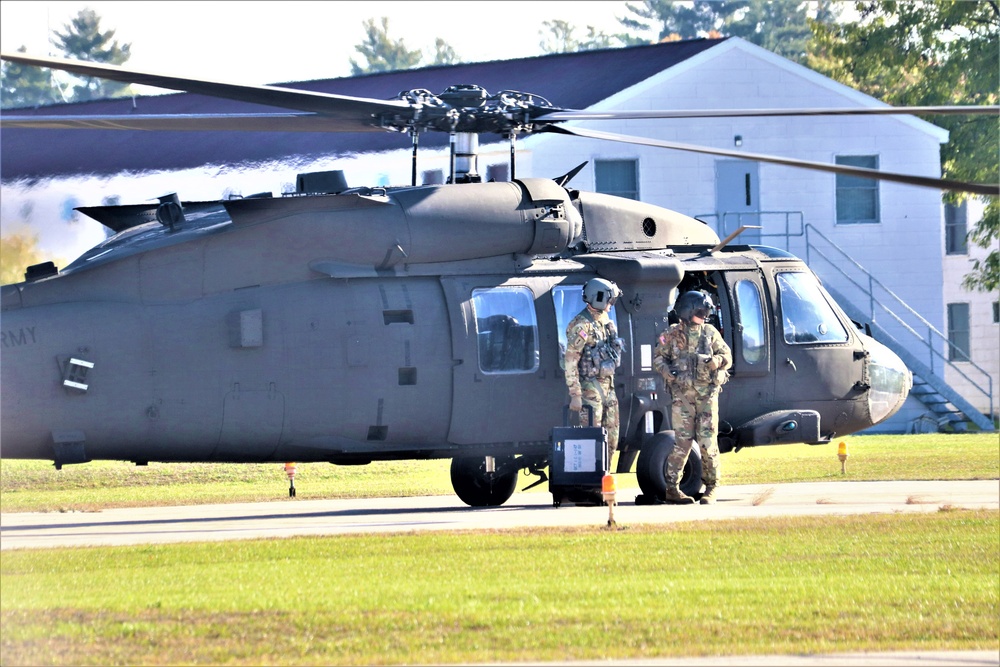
477, 487
651, 468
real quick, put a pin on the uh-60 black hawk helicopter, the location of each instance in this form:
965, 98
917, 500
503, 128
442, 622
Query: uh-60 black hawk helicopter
356, 324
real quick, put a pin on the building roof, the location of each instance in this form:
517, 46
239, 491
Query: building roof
569, 81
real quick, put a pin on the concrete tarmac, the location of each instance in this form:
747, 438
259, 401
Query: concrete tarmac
290, 517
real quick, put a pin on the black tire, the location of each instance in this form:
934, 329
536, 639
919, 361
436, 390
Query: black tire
477, 488
651, 468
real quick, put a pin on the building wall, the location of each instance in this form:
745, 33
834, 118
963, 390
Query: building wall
984, 331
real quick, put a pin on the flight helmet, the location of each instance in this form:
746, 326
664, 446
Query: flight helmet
692, 304
600, 294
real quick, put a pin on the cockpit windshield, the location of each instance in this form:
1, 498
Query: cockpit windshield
806, 314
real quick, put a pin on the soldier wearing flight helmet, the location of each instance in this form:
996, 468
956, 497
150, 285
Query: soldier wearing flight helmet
593, 352
693, 359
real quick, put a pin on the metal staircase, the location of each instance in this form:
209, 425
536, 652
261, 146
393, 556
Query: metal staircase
894, 324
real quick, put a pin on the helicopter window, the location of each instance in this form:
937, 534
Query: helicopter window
857, 197
752, 319
807, 315
617, 177
507, 329
568, 300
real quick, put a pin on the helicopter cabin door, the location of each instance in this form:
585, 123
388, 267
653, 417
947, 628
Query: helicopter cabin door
504, 359
737, 199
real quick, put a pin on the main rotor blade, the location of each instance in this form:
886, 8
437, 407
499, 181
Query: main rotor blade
569, 114
277, 122
923, 181
337, 106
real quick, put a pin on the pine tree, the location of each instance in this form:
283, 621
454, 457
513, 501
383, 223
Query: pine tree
24, 86
82, 39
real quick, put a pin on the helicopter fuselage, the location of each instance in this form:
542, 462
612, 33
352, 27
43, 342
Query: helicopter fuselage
418, 323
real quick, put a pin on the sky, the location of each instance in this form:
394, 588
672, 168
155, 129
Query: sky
268, 42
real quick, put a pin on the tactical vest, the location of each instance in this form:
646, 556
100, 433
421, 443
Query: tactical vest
601, 359
687, 369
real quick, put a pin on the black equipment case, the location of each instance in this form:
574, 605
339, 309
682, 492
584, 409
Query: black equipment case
579, 462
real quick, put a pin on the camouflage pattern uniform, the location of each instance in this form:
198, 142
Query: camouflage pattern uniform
584, 378
694, 388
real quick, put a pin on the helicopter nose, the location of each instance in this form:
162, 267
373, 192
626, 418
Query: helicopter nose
890, 381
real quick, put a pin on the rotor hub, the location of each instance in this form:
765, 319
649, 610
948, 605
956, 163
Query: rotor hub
467, 108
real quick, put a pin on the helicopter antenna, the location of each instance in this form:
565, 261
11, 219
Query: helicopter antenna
565, 178
724, 242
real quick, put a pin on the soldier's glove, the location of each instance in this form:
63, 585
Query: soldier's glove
707, 360
576, 403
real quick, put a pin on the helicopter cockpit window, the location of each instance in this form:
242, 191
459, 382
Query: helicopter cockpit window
507, 329
568, 300
752, 321
807, 316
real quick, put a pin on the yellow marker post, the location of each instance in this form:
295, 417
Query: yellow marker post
842, 455
608, 491
290, 471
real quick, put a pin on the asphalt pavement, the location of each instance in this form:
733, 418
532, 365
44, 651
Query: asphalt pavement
301, 516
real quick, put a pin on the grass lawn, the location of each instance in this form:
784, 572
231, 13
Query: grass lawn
802, 585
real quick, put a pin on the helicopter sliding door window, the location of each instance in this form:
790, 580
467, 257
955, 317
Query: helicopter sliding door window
617, 177
568, 301
506, 329
805, 312
857, 197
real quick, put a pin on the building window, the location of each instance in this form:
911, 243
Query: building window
617, 177
958, 332
996, 312
433, 177
498, 173
857, 197
956, 219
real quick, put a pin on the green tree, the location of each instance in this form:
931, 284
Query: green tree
18, 251
444, 54
935, 52
780, 26
559, 38
23, 86
83, 39
667, 19
381, 53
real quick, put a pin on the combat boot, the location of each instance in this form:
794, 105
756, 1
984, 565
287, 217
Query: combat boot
708, 498
675, 496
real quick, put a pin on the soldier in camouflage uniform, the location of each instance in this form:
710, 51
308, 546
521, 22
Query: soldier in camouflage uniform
593, 352
693, 359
